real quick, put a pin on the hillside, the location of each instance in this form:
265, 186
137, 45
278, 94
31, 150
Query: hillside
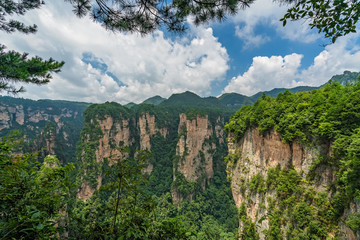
148, 171
52, 126
293, 164
156, 100
186, 166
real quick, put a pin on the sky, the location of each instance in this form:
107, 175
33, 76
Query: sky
246, 53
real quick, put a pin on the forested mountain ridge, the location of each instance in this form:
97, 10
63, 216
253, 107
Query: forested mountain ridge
49, 125
294, 164
187, 147
286, 153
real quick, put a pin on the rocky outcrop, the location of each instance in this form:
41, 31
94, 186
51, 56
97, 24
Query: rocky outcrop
10, 115
253, 155
114, 136
147, 129
194, 148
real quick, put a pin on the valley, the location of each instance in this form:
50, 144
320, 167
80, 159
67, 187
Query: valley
284, 166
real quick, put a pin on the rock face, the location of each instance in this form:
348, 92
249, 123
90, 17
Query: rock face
196, 143
148, 129
192, 147
253, 155
48, 125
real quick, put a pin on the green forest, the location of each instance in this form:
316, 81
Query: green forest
329, 116
76, 170
39, 194
129, 204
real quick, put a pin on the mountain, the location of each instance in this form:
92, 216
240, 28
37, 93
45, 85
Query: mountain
274, 92
130, 105
346, 78
189, 99
235, 100
285, 168
286, 165
186, 166
156, 100
49, 125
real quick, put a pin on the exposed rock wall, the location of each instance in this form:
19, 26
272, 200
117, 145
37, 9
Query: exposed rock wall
193, 149
147, 128
254, 155
196, 145
116, 134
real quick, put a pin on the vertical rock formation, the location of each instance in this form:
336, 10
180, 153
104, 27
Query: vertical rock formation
104, 135
195, 150
33, 118
267, 174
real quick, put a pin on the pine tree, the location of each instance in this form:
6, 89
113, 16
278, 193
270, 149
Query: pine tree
16, 67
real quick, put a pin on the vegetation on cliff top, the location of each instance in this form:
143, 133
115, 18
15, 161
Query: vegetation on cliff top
327, 116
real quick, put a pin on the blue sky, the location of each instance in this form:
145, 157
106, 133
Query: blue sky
247, 53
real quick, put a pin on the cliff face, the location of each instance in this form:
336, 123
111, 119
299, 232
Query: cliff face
193, 151
261, 170
194, 148
52, 126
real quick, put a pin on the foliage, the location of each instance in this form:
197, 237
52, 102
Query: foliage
306, 213
32, 194
328, 117
122, 209
16, 67
257, 183
147, 16
306, 116
100, 111
334, 18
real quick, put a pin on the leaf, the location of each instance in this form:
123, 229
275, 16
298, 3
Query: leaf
35, 215
40, 226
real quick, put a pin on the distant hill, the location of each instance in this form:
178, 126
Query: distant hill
130, 105
346, 78
156, 100
189, 99
235, 100
274, 92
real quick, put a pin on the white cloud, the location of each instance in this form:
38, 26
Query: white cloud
267, 73
246, 33
147, 66
268, 14
334, 59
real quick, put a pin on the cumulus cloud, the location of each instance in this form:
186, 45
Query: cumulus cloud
142, 66
266, 73
334, 59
